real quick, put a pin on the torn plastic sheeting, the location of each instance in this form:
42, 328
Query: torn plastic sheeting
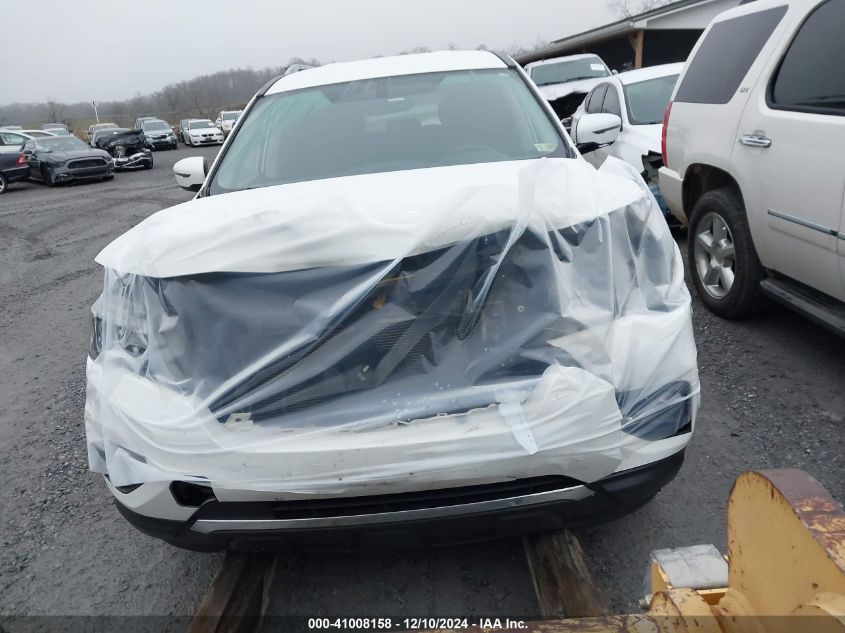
511, 321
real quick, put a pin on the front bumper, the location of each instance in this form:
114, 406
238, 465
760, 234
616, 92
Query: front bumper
671, 187
400, 521
65, 174
161, 142
211, 140
139, 160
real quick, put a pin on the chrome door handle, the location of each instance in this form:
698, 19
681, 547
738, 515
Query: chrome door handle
755, 140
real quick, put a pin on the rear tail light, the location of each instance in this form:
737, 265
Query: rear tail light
663, 133
21, 160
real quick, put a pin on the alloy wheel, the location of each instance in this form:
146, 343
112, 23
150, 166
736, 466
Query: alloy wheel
715, 255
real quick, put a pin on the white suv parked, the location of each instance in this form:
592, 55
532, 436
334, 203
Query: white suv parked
753, 162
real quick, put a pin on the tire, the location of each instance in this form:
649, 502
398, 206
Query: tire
47, 176
4, 184
149, 165
721, 254
110, 177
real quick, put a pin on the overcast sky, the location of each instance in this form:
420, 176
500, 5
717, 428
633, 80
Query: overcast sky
101, 49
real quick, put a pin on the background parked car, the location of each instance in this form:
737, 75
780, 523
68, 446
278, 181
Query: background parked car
12, 141
158, 134
56, 128
226, 120
37, 133
753, 159
639, 98
63, 159
127, 148
182, 130
13, 167
565, 81
139, 122
98, 126
203, 132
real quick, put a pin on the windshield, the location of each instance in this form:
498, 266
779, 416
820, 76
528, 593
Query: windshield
647, 100
200, 125
572, 70
230, 116
155, 125
61, 144
387, 124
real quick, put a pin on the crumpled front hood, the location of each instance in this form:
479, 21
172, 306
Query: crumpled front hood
123, 138
556, 91
366, 218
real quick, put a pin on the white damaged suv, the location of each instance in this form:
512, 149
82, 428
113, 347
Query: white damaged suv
401, 309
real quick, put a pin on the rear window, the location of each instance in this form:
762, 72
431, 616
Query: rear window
725, 55
810, 77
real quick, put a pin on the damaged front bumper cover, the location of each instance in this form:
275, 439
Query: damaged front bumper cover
139, 160
430, 518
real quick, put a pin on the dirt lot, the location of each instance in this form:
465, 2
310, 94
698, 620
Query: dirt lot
772, 397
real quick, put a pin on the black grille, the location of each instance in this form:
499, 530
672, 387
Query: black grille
378, 504
86, 163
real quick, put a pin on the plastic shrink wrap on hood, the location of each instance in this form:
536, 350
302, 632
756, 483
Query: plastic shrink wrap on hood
393, 330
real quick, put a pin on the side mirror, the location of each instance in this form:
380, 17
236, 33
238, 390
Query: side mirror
190, 173
593, 131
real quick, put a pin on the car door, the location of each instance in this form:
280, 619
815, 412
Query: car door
789, 153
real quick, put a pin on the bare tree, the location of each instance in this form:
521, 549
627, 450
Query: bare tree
55, 110
628, 8
171, 94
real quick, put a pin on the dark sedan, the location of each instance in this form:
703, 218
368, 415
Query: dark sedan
61, 159
125, 146
158, 134
13, 168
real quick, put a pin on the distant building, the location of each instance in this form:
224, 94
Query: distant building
659, 36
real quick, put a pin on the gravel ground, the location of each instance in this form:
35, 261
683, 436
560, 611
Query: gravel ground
772, 397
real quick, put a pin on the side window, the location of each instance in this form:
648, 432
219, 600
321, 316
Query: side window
611, 102
725, 55
810, 76
12, 139
596, 98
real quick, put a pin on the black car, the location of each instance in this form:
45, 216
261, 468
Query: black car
125, 146
158, 134
60, 159
13, 168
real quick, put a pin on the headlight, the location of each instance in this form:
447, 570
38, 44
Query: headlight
95, 344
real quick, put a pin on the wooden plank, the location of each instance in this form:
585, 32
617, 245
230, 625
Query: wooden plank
237, 598
562, 579
638, 49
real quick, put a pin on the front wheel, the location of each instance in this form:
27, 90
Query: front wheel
722, 258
